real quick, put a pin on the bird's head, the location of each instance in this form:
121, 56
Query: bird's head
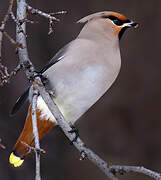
108, 22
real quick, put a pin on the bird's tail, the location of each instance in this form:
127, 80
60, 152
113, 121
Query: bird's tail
26, 138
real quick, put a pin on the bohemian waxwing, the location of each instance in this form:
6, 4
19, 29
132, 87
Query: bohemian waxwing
79, 74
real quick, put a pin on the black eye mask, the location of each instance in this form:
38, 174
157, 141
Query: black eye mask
116, 21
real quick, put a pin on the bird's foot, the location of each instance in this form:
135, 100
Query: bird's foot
83, 156
75, 131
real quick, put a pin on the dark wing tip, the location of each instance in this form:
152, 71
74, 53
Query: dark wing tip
20, 101
58, 57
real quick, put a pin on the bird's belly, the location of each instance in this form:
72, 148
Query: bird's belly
74, 95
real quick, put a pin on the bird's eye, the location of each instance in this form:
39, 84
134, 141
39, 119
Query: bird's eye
118, 22
115, 20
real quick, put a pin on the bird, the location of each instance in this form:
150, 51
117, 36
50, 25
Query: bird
78, 75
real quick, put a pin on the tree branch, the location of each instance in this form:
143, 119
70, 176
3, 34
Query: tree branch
48, 16
43, 14
4, 75
40, 151
29, 69
35, 131
21, 39
126, 169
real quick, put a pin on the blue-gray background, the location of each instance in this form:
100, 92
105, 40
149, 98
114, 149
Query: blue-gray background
124, 127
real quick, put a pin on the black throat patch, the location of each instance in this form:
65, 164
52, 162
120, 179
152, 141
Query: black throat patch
122, 32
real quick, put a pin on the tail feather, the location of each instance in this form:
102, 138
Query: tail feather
21, 148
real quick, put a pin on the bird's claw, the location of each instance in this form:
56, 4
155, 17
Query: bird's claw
75, 131
83, 155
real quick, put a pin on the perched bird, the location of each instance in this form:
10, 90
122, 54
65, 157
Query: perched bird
78, 75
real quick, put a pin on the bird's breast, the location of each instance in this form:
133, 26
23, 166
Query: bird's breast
77, 91
82, 77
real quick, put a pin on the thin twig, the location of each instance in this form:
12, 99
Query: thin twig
35, 131
41, 13
126, 169
12, 40
2, 27
4, 69
48, 16
58, 13
16, 70
8, 12
30, 148
6, 77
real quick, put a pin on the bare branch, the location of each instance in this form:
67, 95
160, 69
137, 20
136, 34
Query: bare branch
12, 40
21, 39
17, 23
126, 169
48, 16
3, 69
43, 14
2, 27
8, 12
15, 71
5, 77
40, 151
29, 69
35, 131
59, 12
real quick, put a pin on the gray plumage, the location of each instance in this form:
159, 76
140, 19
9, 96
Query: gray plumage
81, 72
88, 67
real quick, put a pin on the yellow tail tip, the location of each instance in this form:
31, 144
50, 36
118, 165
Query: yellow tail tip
15, 160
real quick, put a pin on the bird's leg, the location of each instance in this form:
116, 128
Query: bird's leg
75, 131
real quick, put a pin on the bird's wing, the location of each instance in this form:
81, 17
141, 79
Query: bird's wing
20, 101
58, 56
